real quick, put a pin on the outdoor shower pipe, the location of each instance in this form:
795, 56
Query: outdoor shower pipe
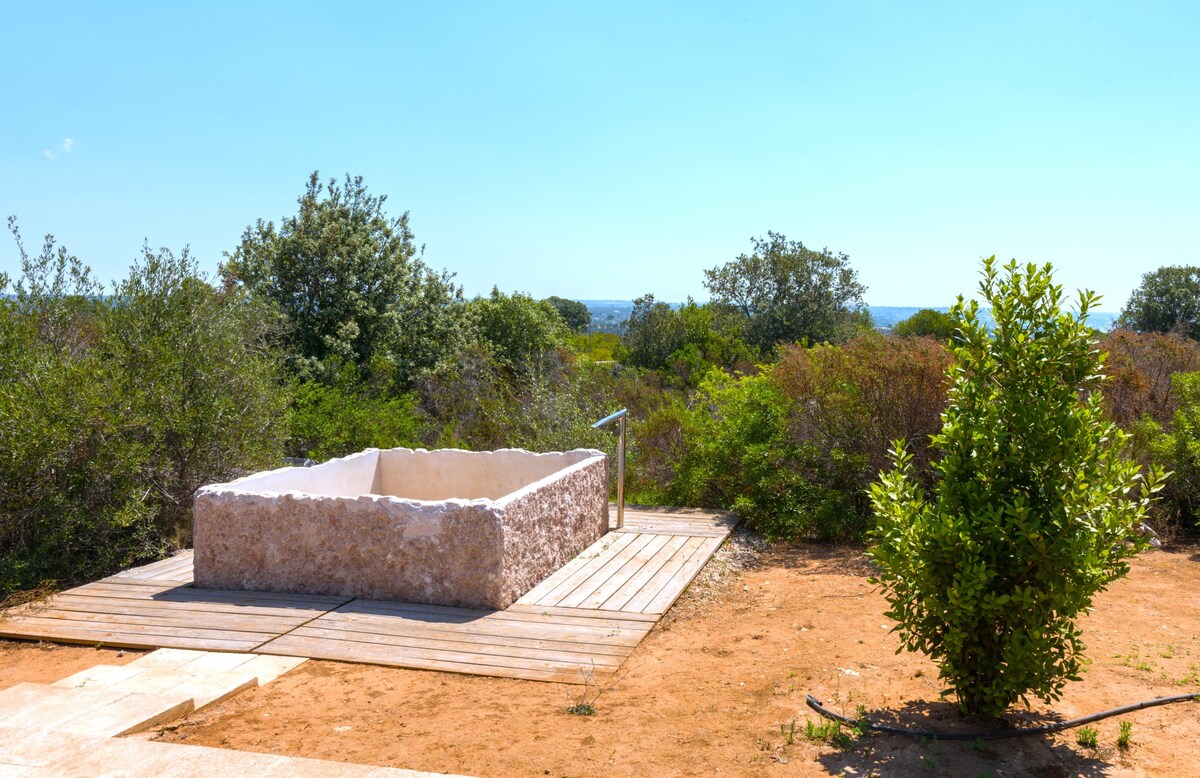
618, 417
1045, 729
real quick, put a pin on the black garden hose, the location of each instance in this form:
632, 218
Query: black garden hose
816, 705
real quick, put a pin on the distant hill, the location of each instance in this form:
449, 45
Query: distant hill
610, 315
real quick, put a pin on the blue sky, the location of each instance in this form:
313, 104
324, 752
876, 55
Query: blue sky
609, 150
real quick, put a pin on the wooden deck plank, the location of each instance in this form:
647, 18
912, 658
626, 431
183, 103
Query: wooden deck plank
488, 653
134, 636
104, 605
197, 604
397, 656
593, 562
255, 624
169, 568
664, 576
584, 613
492, 634
613, 565
621, 597
631, 570
617, 635
380, 655
534, 614
569, 569
671, 592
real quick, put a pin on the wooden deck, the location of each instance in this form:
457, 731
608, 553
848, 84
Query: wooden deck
578, 625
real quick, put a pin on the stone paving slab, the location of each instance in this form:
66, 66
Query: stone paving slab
204, 689
133, 713
100, 675
41, 706
40, 747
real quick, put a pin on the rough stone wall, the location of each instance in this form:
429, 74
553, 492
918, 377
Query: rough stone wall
547, 526
375, 547
469, 553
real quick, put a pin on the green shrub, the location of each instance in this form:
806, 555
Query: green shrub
332, 420
738, 456
1034, 510
927, 323
1177, 448
114, 410
1140, 367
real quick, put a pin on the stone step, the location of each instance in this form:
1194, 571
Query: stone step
263, 667
123, 758
134, 713
203, 689
99, 712
22, 746
99, 676
42, 706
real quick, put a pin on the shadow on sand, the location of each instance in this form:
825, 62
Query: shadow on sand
896, 755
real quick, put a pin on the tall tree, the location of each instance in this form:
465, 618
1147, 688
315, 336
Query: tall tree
1168, 300
787, 292
350, 282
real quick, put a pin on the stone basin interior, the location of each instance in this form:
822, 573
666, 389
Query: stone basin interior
418, 474
444, 527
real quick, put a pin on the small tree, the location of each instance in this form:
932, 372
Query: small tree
653, 332
518, 329
927, 322
785, 291
1168, 300
574, 313
1035, 510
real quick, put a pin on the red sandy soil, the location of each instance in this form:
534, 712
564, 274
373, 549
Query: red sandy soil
714, 688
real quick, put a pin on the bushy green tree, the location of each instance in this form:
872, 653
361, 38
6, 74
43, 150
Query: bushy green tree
740, 457
1168, 300
350, 283
926, 322
518, 328
574, 313
652, 333
199, 378
114, 409
683, 343
1035, 509
786, 292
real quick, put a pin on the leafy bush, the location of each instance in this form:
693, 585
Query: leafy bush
1140, 367
1032, 513
114, 410
926, 322
851, 401
332, 420
739, 457
794, 448
1177, 449
518, 328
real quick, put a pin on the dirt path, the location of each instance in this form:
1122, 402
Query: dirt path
709, 690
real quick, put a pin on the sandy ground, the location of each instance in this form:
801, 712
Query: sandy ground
714, 689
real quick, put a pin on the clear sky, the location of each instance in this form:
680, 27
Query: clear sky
606, 150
